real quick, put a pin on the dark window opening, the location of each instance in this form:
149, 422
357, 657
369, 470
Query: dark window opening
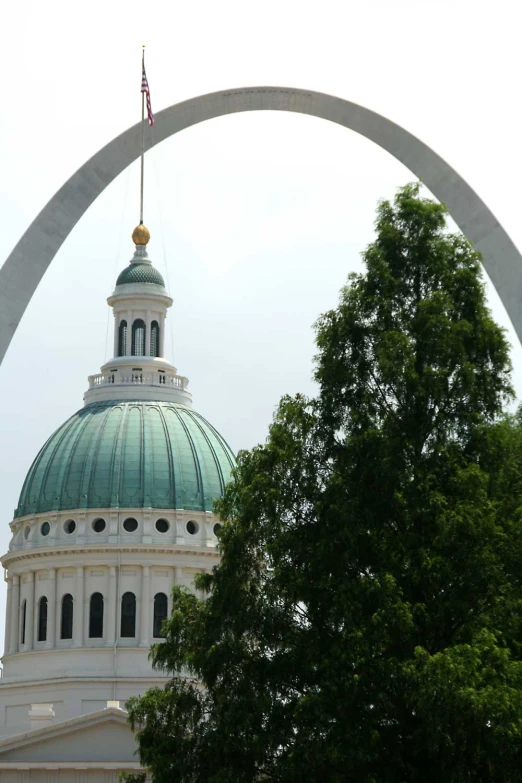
98, 525
128, 616
138, 338
154, 339
130, 525
42, 619
69, 526
160, 614
96, 616
24, 616
122, 339
66, 629
162, 525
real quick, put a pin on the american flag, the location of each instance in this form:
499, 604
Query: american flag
145, 89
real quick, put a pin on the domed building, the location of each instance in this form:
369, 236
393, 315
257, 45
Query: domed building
115, 510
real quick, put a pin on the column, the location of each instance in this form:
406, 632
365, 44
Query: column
148, 321
111, 607
78, 609
51, 610
145, 607
117, 319
8, 608
15, 615
29, 617
161, 323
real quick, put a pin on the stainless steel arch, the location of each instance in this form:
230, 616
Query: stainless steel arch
23, 270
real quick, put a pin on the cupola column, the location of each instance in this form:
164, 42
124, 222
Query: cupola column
78, 609
15, 615
29, 617
8, 614
145, 607
51, 610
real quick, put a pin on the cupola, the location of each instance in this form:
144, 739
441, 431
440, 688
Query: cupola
138, 368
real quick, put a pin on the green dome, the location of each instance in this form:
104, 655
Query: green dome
140, 273
132, 455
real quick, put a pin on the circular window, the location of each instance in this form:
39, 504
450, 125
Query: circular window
99, 525
130, 525
70, 526
27, 530
216, 528
192, 527
45, 529
162, 525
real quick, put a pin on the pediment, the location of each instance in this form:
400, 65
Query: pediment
100, 736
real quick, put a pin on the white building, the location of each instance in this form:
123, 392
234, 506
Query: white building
115, 510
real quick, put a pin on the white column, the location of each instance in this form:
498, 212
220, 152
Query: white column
15, 615
111, 607
78, 609
51, 610
29, 617
8, 601
161, 323
117, 319
148, 321
145, 607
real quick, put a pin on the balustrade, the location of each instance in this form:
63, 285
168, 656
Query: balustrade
142, 379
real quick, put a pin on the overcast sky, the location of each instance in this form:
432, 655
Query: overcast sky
256, 219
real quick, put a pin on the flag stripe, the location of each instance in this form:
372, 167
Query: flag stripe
145, 89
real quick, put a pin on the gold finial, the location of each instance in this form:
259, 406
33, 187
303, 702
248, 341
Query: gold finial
141, 235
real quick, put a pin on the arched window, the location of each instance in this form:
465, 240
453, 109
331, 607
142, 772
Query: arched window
160, 614
122, 339
128, 616
96, 616
138, 337
154, 339
22, 623
66, 629
42, 619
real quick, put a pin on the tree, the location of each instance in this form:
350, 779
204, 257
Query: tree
364, 623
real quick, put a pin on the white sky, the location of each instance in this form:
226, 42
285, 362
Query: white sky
256, 219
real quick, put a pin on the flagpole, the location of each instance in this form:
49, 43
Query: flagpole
142, 137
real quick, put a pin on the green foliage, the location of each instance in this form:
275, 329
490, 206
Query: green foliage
365, 621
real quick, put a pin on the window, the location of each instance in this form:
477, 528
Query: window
162, 525
66, 629
69, 526
160, 614
192, 527
130, 525
122, 339
45, 529
128, 616
24, 615
216, 528
154, 339
96, 616
42, 619
98, 525
138, 338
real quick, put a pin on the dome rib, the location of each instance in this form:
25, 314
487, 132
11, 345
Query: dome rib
131, 454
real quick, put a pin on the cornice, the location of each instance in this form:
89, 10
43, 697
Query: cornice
41, 553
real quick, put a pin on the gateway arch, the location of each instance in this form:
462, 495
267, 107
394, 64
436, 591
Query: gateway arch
25, 267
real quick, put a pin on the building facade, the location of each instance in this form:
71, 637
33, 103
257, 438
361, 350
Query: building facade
116, 509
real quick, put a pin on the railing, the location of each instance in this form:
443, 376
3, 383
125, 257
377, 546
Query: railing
138, 379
